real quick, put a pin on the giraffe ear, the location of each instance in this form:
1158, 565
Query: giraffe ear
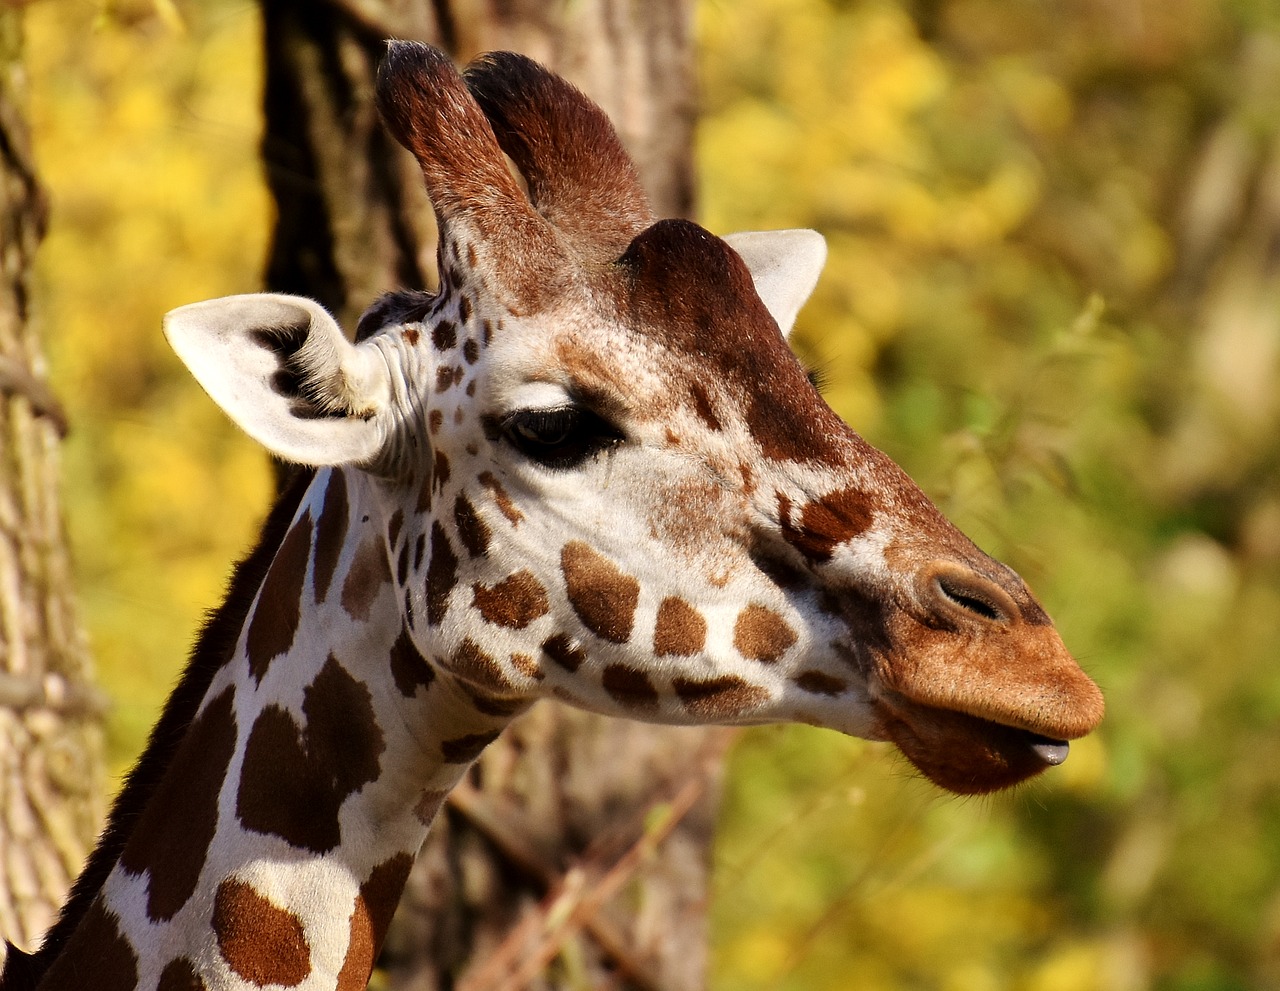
784, 266
281, 368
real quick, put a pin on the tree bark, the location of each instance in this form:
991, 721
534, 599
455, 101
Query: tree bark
576, 855
51, 766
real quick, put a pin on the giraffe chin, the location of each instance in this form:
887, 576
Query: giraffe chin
964, 754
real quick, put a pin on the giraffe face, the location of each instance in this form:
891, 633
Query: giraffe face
610, 480
677, 528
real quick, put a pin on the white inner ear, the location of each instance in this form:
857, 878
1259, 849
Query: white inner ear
282, 369
784, 266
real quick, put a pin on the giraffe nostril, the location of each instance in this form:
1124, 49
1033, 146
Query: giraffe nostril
968, 601
957, 590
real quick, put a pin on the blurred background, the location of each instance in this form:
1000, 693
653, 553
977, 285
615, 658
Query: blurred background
1053, 296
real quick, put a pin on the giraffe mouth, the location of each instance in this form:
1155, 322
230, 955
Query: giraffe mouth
963, 753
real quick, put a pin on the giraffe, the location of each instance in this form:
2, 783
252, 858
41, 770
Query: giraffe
588, 468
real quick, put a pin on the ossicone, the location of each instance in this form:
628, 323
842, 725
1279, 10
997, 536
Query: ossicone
580, 178
481, 209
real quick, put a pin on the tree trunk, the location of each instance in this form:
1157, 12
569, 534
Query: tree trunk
51, 770
576, 855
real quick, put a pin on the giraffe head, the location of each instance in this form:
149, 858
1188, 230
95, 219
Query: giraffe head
601, 475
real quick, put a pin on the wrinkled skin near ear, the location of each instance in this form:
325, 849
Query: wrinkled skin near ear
784, 266
282, 369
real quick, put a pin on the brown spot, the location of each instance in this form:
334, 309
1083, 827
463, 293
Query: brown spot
409, 668
294, 780
410, 335
459, 415
441, 470
465, 749
471, 351
444, 335
98, 943
673, 438
760, 634
331, 532
375, 904
527, 666
820, 684
171, 838
393, 527
435, 420
515, 602
275, 617
477, 668
702, 406
370, 572
680, 630
827, 522
419, 551
442, 575
444, 378
719, 698
563, 651
260, 941
402, 565
486, 331
603, 596
472, 530
748, 478
471, 256
471, 390
425, 494
180, 975
505, 505
428, 805
629, 686
793, 423
464, 308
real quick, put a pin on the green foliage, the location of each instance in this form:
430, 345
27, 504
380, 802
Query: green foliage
1051, 296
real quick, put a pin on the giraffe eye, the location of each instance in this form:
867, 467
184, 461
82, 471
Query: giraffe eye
559, 438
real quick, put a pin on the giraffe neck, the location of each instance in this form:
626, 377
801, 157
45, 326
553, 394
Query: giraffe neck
276, 844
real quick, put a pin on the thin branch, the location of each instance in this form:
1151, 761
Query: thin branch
53, 693
17, 380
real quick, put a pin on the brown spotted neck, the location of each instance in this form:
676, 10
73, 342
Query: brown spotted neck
325, 741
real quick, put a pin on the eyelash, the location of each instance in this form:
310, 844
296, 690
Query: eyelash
560, 438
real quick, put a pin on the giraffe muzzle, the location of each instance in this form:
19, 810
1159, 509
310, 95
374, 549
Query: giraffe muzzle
965, 754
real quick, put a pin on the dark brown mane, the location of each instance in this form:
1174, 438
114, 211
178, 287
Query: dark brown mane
23, 971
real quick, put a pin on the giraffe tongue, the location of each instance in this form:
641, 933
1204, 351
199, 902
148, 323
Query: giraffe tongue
1052, 752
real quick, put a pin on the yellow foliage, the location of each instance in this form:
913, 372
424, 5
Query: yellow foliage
146, 137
